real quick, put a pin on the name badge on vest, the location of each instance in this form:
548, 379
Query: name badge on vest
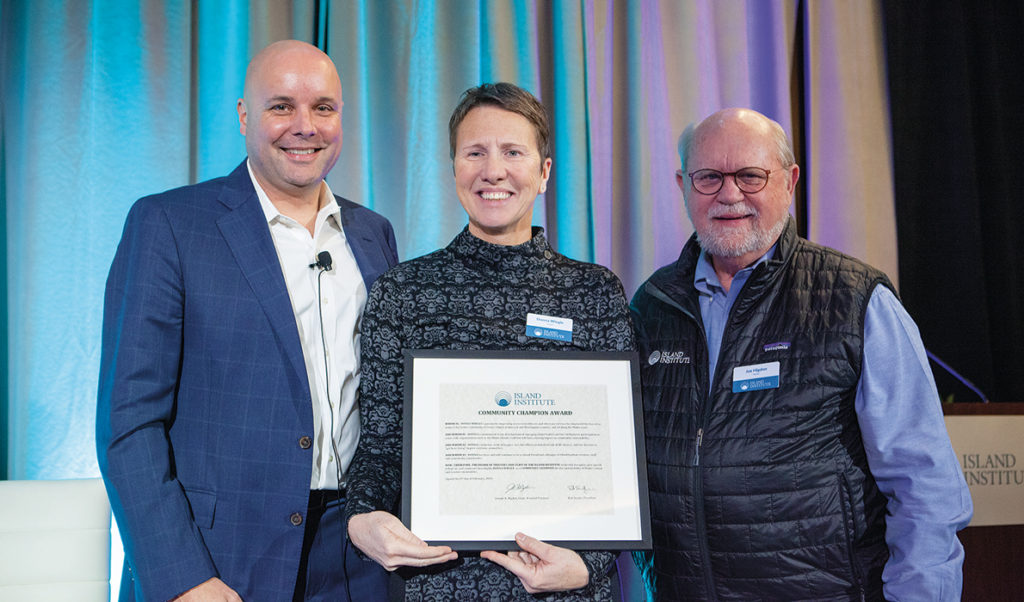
549, 327
755, 378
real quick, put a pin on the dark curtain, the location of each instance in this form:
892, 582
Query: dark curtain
956, 93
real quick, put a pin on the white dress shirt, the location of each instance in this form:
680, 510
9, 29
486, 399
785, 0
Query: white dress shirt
332, 362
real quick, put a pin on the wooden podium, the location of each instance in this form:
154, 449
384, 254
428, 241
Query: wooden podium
994, 555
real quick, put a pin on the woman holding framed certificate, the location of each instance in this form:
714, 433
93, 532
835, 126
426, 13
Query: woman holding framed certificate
498, 286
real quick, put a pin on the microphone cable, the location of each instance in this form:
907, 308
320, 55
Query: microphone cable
324, 262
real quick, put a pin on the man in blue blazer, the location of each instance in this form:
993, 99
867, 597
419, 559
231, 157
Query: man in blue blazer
227, 408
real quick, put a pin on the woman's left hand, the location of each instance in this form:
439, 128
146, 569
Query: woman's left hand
542, 567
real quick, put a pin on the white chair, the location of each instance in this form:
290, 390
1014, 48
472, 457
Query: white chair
54, 541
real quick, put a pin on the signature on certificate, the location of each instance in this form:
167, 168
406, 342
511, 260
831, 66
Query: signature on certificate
517, 488
579, 488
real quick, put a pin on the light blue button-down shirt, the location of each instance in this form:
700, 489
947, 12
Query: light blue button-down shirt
904, 434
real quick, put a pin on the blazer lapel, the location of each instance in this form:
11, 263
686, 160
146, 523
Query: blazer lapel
362, 242
247, 234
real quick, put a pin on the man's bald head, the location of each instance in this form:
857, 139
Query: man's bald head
284, 50
291, 118
747, 175
748, 118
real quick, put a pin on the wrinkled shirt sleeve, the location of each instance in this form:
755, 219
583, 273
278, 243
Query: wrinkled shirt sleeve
911, 458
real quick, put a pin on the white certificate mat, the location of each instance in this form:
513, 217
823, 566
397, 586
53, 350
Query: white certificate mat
546, 443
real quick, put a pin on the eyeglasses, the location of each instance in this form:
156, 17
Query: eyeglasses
748, 179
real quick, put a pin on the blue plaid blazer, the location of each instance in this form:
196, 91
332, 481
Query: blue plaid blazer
203, 398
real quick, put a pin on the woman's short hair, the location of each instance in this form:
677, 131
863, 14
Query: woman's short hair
509, 97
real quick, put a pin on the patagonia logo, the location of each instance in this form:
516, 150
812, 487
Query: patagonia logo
776, 346
668, 357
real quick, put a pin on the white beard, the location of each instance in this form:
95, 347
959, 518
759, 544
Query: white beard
739, 244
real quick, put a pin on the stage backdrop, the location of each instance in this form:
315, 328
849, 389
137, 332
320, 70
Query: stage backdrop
106, 101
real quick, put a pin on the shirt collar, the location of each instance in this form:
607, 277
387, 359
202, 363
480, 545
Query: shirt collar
706, 280
326, 201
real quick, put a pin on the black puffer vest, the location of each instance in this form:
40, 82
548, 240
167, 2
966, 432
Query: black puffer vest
766, 494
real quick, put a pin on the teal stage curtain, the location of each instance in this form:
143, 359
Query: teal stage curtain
105, 101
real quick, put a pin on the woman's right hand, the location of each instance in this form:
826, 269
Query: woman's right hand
384, 538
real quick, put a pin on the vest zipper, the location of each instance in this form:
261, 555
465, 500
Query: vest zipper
696, 453
702, 535
698, 497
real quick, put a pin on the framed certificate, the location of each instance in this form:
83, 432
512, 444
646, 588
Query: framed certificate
550, 444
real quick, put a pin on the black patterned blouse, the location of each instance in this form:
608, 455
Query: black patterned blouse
473, 295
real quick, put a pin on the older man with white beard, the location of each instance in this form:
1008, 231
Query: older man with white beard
795, 442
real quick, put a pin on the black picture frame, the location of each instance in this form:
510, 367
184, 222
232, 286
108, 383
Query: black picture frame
595, 538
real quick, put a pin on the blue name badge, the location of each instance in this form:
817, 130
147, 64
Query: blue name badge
755, 378
548, 327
